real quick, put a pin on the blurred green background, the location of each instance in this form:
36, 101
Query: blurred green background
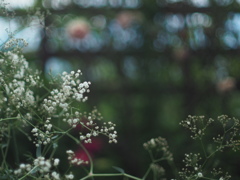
151, 63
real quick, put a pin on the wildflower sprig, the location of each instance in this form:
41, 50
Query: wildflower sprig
157, 145
193, 167
197, 125
228, 137
40, 119
158, 150
220, 174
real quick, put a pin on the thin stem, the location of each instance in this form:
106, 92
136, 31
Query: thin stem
7, 147
89, 157
85, 150
160, 159
25, 119
15, 146
151, 155
208, 178
52, 153
147, 172
204, 151
28, 173
10, 118
208, 157
110, 175
3, 158
49, 91
45, 150
19, 129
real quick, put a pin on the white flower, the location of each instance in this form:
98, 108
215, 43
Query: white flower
34, 130
69, 176
22, 166
200, 174
55, 175
56, 162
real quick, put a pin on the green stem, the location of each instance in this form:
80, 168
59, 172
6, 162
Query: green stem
52, 153
28, 173
110, 175
147, 172
11, 118
85, 150
204, 151
208, 157
7, 147
151, 155
160, 159
47, 148
208, 178
15, 147
89, 157
49, 91
20, 130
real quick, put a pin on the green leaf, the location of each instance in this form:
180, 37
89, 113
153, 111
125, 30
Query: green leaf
54, 137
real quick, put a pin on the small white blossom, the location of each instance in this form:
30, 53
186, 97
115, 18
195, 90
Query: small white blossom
200, 174
56, 162
69, 176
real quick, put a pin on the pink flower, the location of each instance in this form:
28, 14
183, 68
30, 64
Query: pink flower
95, 146
80, 154
78, 28
92, 148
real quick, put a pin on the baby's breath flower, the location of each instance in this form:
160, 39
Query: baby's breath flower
69, 176
55, 175
44, 167
71, 90
56, 162
73, 159
159, 144
200, 174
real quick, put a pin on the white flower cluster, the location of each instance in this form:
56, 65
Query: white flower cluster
73, 159
23, 168
109, 130
14, 44
42, 166
71, 89
159, 144
43, 136
17, 80
90, 123
74, 118
3, 130
19, 104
